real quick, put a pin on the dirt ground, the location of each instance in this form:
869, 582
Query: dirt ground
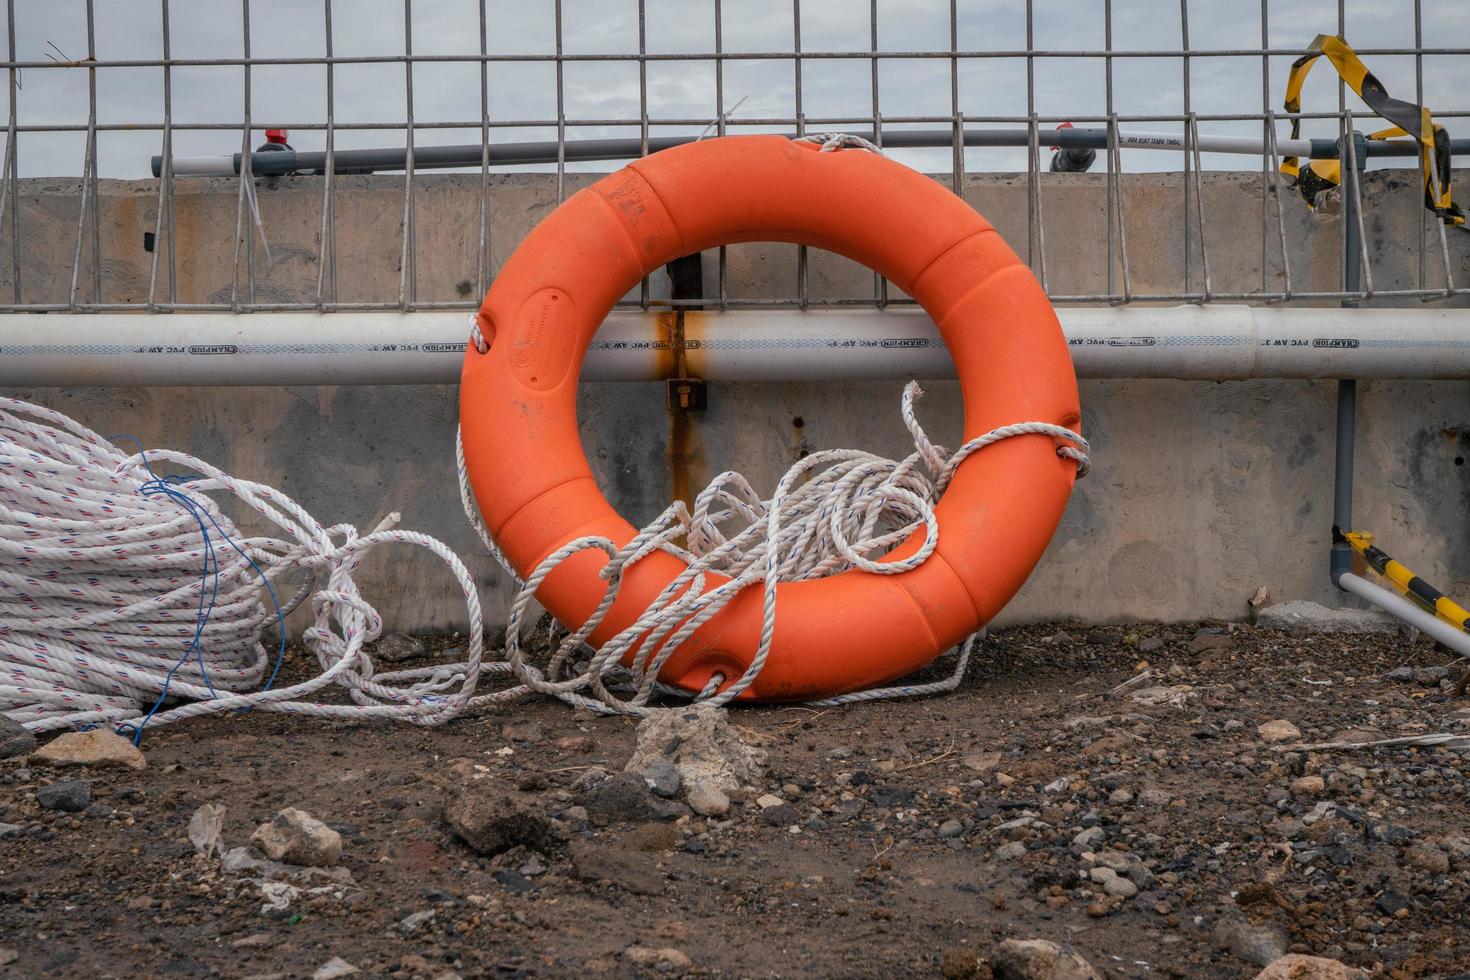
889, 855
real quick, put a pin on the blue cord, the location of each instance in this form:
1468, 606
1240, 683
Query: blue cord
164, 486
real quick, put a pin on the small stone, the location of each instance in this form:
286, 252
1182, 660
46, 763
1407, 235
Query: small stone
959, 963
8, 956
1154, 798
1099, 909
414, 922
397, 647
1013, 851
1427, 857
1458, 848
1204, 642
334, 968
768, 800
1120, 795
1117, 887
1279, 730
71, 796
99, 748
781, 815
624, 797
296, 837
951, 828
1258, 944
707, 800
1308, 786
1295, 966
665, 958
15, 738
663, 778
1088, 840
1038, 959
491, 819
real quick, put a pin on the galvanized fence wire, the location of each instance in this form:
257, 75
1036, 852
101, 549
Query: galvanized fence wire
1434, 275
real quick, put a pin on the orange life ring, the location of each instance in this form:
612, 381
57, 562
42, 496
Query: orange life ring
850, 631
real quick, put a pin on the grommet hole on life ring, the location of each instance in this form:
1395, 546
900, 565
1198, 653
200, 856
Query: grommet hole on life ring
482, 332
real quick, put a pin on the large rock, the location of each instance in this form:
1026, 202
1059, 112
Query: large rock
98, 748
296, 837
1295, 966
492, 819
1301, 616
1038, 959
701, 743
15, 738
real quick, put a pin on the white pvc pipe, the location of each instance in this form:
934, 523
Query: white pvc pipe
1401, 608
1214, 343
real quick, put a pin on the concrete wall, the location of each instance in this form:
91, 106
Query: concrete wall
1200, 492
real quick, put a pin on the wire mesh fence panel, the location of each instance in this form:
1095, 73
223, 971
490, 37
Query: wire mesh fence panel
388, 154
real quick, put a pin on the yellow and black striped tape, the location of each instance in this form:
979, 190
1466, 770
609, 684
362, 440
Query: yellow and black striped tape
1414, 588
1408, 120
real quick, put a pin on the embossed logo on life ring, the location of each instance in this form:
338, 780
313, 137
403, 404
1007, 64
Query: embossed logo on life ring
541, 355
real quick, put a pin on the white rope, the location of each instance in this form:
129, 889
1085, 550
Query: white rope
118, 587
832, 511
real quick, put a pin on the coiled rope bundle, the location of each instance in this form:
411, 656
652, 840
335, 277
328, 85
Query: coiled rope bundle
128, 598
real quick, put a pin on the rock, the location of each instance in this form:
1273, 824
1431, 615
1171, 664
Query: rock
707, 800
1038, 959
1205, 642
415, 921
951, 828
1279, 730
334, 968
1118, 887
9, 830
98, 748
781, 815
625, 798
296, 837
492, 819
631, 872
663, 959
1154, 798
701, 743
8, 956
397, 647
663, 778
1088, 840
204, 828
767, 800
1301, 616
1121, 795
1427, 857
1308, 786
981, 761
1295, 966
1458, 848
1258, 944
1013, 851
71, 796
15, 738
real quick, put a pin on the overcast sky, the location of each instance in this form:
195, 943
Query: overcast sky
448, 92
